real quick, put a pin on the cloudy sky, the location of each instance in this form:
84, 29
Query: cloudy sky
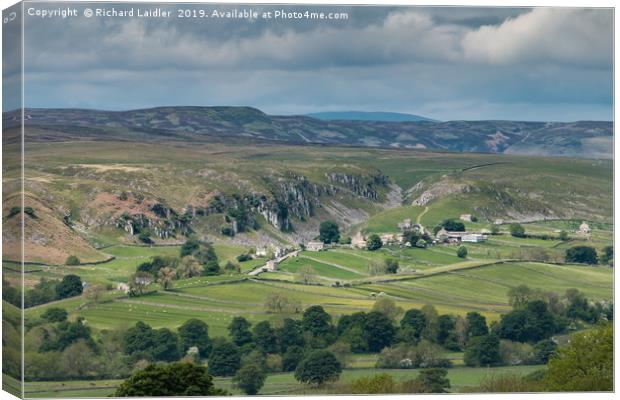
446, 63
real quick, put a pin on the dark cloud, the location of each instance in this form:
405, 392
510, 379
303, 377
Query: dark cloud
466, 63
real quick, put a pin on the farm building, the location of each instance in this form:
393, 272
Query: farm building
387, 238
584, 228
315, 245
272, 265
473, 238
261, 252
405, 225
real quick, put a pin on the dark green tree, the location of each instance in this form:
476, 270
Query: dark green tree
72, 260
608, 255
476, 324
461, 252
239, 330
532, 323
445, 327
195, 332
290, 334
433, 380
139, 339
291, 358
378, 331
177, 379
415, 320
71, 285
166, 345
316, 321
189, 247
329, 232
374, 242
391, 266
582, 255
544, 350
482, 351
265, 337
66, 334
250, 379
318, 367
517, 230
224, 359
55, 314
453, 225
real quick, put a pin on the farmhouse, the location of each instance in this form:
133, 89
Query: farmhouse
455, 237
584, 228
315, 245
387, 238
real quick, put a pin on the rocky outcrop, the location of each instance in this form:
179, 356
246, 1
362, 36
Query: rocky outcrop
364, 186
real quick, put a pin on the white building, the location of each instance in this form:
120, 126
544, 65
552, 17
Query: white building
584, 228
405, 225
473, 238
272, 265
315, 245
261, 252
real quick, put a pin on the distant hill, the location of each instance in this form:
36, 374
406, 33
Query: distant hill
581, 139
368, 116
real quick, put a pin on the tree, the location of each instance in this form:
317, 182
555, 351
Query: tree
249, 378
291, 358
265, 337
476, 324
177, 379
563, 236
608, 255
189, 267
391, 266
278, 303
72, 260
195, 332
55, 314
531, 323
306, 274
482, 351
329, 232
190, 247
374, 242
415, 320
71, 285
378, 331
92, 293
453, 225
582, 255
166, 345
319, 367
316, 321
145, 237
138, 282
239, 330
461, 252
165, 276
585, 364
433, 380
544, 350
290, 334
139, 339
445, 328
67, 333
388, 308
516, 230
211, 268
224, 359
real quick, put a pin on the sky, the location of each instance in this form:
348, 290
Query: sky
543, 64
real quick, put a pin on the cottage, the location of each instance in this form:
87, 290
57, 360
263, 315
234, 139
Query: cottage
358, 241
465, 217
315, 245
387, 238
584, 228
122, 287
473, 238
279, 252
261, 252
405, 225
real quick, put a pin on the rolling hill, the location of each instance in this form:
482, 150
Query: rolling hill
582, 139
367, 116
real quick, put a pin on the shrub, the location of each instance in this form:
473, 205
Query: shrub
318, 367
461, 252
582, 255
250, 379
374, 242
375, 384
72, 260
517, 230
